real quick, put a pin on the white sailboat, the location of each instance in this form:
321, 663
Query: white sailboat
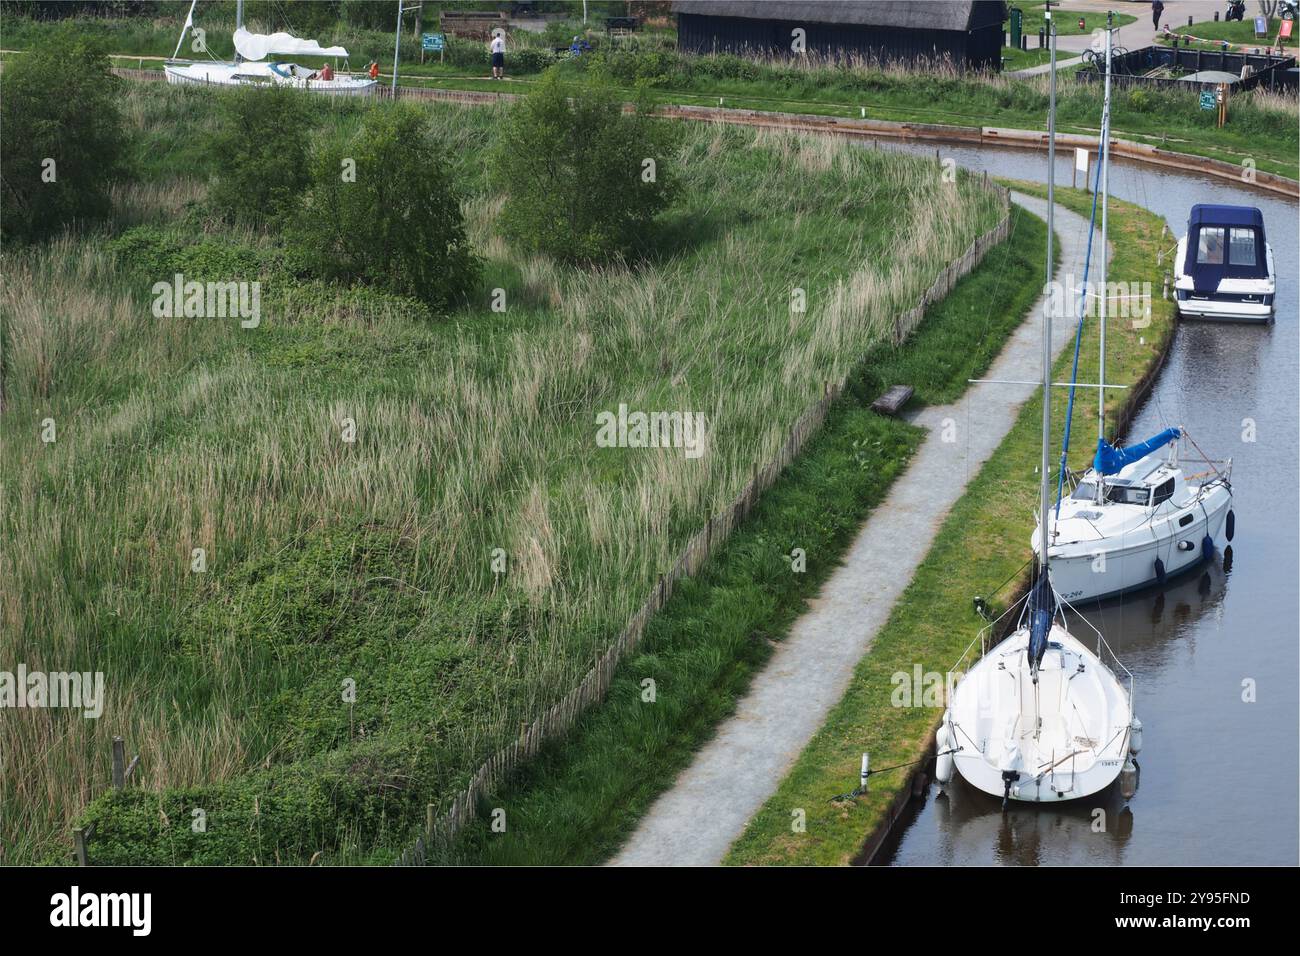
1039, 717
1134, 518
251, 67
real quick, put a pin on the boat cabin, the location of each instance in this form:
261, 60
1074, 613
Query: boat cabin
1147, 482
1224, 242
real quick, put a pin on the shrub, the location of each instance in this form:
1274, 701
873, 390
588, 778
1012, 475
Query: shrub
63, 136
382, 209
260, 154
575, 170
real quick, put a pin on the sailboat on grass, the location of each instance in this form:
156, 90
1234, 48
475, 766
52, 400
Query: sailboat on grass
1039, 717
251, 67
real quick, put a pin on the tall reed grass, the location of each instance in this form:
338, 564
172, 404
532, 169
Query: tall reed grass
373, 560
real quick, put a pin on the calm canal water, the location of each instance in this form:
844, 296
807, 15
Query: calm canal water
1219, 776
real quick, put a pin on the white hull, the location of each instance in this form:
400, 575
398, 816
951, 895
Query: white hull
1235, 300
1080, 574
265, 74
1063, 739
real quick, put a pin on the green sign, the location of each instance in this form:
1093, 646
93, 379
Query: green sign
432, 42
1208, 100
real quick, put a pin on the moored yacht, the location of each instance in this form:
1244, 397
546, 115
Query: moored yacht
1224, 266
1135, 518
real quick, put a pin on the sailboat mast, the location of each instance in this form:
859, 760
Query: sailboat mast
189, 22
1048, 297
239, 25
397, 46
1105, 295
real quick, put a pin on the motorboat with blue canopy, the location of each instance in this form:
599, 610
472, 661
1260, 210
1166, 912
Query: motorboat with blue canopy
1224, 265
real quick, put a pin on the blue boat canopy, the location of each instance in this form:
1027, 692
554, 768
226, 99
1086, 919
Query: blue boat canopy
1224, 242
1110, 459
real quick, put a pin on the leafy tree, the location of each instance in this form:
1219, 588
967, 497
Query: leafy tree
260, 153
382, 209
63, 139
584, 180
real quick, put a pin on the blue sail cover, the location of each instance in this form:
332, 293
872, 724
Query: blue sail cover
1042, 607
1110, 459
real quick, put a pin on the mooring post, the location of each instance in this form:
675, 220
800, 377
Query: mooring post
79, 843
119, 763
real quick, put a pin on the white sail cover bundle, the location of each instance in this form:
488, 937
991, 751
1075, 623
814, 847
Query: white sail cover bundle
258, 46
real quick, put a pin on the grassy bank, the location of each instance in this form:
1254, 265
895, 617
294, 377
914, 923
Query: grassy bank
583, 795
983, 542
370, 563
1261, 128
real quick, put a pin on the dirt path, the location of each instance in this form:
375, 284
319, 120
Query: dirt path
708, 806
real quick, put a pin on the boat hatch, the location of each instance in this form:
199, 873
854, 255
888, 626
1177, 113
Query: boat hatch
1224, 242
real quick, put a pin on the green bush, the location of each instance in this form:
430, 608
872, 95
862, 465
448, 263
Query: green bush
575, 169
260, 154
382, 209
63, 137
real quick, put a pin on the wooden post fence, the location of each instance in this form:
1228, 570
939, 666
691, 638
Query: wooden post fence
562, 715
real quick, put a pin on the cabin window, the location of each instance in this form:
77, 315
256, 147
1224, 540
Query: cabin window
1128, 495
1086, 491
1241, 247
1209, 248
1163, 492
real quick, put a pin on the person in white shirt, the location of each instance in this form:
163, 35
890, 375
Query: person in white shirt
498, 48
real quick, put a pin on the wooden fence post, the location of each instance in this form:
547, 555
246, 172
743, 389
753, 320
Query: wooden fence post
79, 843
119, 763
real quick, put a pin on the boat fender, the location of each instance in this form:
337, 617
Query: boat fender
1207, 546
943, 762
1160, 571
1128, 778
1135, 736
1231, 525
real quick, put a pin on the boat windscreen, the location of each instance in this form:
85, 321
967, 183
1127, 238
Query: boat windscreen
1224, 242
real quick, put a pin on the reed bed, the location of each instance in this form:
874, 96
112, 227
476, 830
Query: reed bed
373, 560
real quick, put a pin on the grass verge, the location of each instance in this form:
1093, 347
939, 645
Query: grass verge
983, 542
579, 799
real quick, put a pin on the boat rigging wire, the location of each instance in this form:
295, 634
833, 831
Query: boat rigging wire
1083, 311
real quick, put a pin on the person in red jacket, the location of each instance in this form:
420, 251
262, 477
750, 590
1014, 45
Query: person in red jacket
374, 70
